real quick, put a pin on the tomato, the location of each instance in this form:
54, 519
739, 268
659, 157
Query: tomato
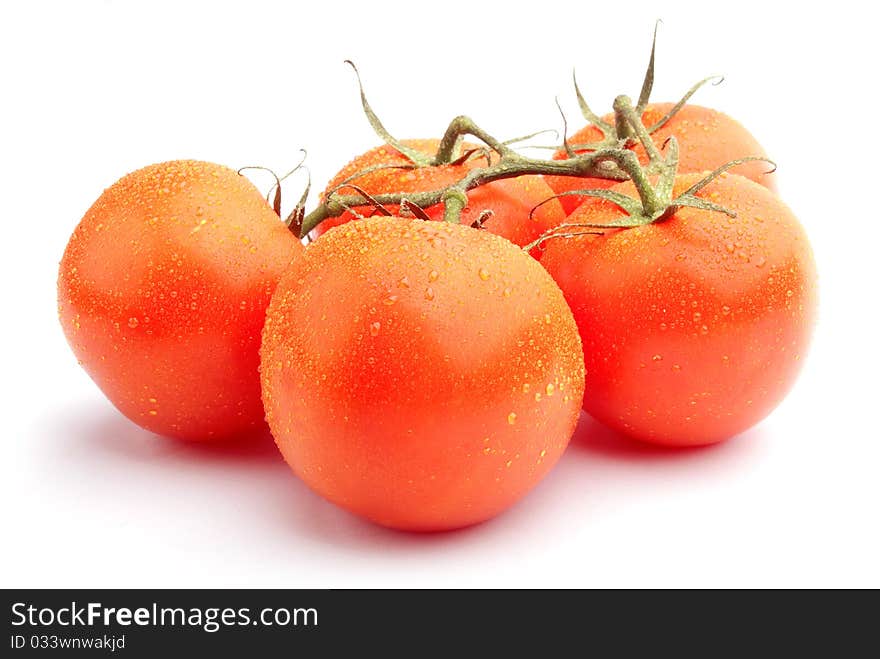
706, 138
424, 375
510, 201
162, 292
694, 328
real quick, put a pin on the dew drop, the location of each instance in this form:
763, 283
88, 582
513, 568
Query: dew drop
525, 388
484, 274
132, 322
725, 310
404, 282
511, 418
506, 292
374, 329
388, 301
152, 412
433, 275
550, 389
657, 358
429, 293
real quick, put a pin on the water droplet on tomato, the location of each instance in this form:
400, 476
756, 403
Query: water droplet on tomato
511, 418
484, 274
374, 328
132, 322
550, 389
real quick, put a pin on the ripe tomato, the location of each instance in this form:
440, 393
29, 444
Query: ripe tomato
421, 374
706, 138
162, 293
509, 200
694, 328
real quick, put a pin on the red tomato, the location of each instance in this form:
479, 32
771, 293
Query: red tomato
509, 200
694, 328
421, 374
706, 138
162, 293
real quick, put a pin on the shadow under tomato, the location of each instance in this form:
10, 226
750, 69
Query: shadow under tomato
594, 437
111, 433
248, 486
249, 472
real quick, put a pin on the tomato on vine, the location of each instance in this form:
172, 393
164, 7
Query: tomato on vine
424, 375
162, 293
501, 207
695, 322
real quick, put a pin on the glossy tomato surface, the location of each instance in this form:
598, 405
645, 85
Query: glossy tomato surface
509, 201
694, 328
162, 292
420, 374
706, 139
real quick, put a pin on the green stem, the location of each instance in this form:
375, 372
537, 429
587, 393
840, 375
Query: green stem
460, 127
625, 113
509, 165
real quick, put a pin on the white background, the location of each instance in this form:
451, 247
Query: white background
93, 90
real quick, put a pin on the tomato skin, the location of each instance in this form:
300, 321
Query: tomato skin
695, 328
420, 374
706, 138
510, 200
162, 292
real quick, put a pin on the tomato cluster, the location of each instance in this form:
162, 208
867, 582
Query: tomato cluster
426, 374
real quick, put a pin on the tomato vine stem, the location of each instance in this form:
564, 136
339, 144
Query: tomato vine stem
611, 158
